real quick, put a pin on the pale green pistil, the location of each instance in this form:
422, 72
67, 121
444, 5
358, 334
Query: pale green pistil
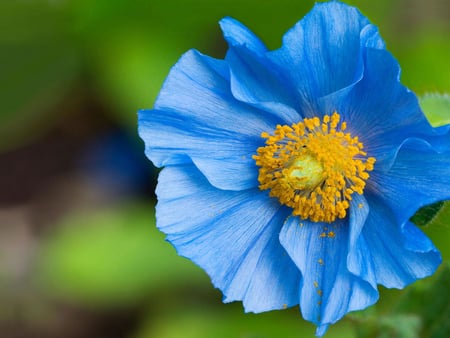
304, 173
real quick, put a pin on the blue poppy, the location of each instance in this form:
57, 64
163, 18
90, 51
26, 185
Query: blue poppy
290, 175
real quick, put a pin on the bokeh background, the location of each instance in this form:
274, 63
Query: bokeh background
79, 252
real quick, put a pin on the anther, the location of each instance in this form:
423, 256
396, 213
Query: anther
314, 167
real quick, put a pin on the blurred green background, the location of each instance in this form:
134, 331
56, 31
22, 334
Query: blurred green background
79, 252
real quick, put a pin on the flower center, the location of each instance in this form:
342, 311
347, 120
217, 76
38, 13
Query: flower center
314, 167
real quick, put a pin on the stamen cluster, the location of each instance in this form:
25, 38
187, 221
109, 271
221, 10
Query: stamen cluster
314, 167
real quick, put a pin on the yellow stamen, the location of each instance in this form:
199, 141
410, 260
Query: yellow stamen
314, 167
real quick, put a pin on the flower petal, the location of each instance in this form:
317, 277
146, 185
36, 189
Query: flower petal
379, 109
321, 53
230, 235
419, 176
196, 117
253, 77
358, 262
236, 34
256, 81
328, 290
370, 37
275, 280
399, 255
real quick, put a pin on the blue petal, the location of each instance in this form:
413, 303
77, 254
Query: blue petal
328, 289
370, 38
224, 157
236, 34
321, 54
254, 78
231, 235
358, 262
419, 176
379, 110
399, 255
196, 116
256, 81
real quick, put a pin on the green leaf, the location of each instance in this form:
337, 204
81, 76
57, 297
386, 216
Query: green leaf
438, 229
426, 214
112, 257
437, 108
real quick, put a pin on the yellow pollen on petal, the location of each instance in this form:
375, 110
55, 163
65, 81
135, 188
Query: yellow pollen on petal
314, 167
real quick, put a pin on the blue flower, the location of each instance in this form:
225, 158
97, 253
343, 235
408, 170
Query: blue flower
290, 175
